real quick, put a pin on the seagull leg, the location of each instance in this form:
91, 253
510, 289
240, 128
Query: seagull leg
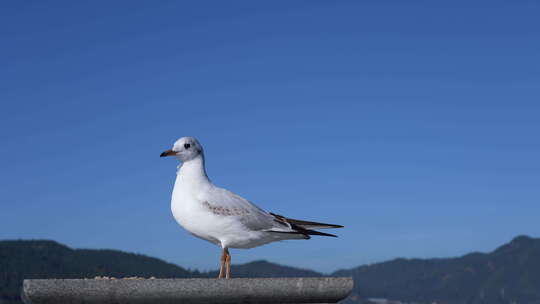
228, 263
222, 264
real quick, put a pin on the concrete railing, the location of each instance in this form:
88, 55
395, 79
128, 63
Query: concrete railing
188, 291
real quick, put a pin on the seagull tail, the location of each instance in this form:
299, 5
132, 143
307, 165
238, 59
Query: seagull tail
306, 224
304, 227
305, 232
315, 232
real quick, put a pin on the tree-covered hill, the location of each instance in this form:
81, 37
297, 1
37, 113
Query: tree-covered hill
39, 259
509, 274
48, 259
264, 269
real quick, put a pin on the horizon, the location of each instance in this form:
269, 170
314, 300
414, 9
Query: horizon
272, 262
411, 124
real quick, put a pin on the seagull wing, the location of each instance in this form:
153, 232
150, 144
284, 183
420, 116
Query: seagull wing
223, 202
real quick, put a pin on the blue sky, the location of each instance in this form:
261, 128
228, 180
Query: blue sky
414, 124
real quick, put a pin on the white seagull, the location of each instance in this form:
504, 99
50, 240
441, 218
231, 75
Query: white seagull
222, 217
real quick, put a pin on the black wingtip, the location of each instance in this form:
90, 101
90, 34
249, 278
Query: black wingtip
332, 226
315, 232
305, 224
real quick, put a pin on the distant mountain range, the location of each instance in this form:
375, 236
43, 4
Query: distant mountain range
509, 274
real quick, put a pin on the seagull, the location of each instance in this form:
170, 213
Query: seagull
221, 217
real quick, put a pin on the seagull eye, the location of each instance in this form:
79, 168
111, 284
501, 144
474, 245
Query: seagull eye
187, 146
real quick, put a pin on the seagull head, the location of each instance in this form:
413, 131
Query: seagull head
185, 149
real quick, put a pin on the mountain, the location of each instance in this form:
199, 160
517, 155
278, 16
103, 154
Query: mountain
40, 259
48, 259
509, 274
264, 269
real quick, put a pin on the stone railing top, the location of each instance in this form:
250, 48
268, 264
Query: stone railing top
188, 291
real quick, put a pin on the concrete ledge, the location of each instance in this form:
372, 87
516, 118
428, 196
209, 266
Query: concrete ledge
189, 291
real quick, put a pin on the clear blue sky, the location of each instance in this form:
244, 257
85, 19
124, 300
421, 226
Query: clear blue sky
414, 124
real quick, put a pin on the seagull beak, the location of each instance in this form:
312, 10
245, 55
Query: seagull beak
167, 153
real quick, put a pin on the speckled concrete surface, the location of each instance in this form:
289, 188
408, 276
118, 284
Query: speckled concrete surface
189, 291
